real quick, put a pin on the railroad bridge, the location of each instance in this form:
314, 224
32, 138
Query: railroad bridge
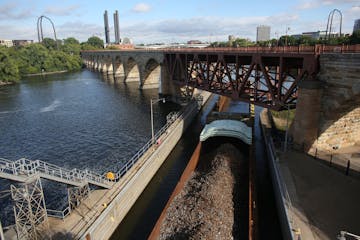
321, 81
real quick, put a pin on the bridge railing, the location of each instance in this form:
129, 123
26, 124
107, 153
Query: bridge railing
171, 118
26, 167
317, 49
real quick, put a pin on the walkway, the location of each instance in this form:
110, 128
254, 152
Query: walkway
320, 200
324, 198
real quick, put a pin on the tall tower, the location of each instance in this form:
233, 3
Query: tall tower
116, 27
107, 31
262, 33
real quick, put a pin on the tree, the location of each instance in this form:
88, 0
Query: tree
306, 40
49, 43
9, 71
71, 40
287, 41
355, 37
95, 42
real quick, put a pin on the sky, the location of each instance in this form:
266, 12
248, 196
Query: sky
166, 21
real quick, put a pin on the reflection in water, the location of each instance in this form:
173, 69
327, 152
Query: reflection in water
75, 120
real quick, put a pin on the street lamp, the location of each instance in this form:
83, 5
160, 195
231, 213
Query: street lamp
152, 116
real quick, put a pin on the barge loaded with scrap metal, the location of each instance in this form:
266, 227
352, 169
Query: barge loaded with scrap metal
213, 198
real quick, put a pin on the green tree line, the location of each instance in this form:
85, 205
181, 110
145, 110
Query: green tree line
291, 41
48, 56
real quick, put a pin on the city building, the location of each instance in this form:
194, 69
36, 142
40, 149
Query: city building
262, 33
7, 43
356, 25
314, 35
22, 42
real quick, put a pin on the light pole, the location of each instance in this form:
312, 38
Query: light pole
152, 115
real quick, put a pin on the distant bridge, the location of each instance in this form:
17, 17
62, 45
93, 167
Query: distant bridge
266, 76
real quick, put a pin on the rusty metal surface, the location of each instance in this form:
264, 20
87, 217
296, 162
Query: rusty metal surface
267, 79
184, 177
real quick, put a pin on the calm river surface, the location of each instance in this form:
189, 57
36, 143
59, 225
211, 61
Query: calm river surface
75, 120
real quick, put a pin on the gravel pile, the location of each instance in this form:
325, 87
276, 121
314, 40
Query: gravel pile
204, 209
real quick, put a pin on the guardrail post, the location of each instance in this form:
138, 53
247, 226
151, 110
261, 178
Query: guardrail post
347, 168
331, 157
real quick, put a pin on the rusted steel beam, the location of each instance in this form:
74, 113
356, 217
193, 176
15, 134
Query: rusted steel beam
269, 79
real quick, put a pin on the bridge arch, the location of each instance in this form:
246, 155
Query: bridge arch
227, 128
132, 72
118, 68
151, 74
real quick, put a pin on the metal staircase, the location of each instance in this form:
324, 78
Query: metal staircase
24, 170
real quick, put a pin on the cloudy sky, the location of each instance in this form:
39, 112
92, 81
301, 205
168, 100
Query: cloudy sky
172, 20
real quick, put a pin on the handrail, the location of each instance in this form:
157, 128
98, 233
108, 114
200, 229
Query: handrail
171, 118
59, 214
26, 167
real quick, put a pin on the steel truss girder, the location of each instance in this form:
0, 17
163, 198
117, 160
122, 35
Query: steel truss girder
268, 80
30, 210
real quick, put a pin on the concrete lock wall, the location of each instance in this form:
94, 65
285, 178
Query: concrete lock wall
142, 173
328, 113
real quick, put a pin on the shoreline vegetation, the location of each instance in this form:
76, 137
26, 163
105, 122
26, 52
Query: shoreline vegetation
48, 57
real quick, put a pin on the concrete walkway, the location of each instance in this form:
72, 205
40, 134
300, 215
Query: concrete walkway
324, 200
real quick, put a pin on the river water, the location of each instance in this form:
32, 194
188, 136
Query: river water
74, 120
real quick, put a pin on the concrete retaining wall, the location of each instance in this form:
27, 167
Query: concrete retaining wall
280, 192
136, 180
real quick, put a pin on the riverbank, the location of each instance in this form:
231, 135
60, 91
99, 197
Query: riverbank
45, 73
32, 75
6, 83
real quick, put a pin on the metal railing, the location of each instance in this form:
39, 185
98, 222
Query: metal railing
283, 200
171, 118
316, 49
59, 214
26, 168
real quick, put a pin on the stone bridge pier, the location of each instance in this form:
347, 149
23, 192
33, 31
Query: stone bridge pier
328, 111
147, 68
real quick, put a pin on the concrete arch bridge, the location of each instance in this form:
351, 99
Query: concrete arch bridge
144, 67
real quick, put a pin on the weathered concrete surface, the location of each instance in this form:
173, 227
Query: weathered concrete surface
128, 66
328, 116
319, 201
